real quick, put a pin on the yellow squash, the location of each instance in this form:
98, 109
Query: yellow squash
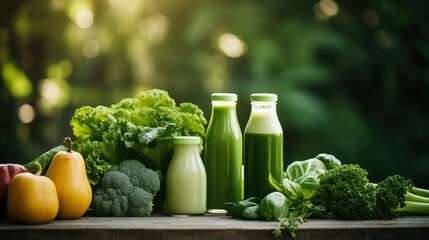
67, 171
32, 199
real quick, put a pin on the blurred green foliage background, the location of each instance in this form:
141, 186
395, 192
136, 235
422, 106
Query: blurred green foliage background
352, 76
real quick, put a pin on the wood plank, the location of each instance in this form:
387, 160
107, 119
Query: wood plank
213, 227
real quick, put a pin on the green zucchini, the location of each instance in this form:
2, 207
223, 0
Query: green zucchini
44, 159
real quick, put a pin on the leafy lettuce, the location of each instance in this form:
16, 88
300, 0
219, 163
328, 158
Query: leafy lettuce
140, 128
301, 178
305, 174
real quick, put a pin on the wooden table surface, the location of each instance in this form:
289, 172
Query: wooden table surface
209, 227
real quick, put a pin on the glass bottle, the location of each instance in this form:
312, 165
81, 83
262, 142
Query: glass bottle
263, 146
186, 181
223, 153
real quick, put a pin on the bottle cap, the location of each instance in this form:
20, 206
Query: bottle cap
186, 140
263, 97
224, 97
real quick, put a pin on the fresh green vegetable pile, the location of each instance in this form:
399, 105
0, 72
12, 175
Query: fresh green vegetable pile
139, 128
126, 190
322, 186
347, 192
291, 204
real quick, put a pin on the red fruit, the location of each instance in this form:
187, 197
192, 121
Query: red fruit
7, 172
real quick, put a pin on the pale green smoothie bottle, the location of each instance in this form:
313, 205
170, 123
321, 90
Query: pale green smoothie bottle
263, 146
223, 153
186, 180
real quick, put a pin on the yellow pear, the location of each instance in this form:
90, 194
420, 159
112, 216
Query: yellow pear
32, 199
67, 171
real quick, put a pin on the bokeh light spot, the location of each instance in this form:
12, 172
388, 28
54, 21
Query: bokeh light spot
26, 113
91, 49
231, 45
326, 9
84, 18
371, 18
16, 82
54, 94
384, 39
157, 27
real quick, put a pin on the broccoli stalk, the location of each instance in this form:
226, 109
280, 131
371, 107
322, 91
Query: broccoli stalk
417, 202
416, 198
420, 191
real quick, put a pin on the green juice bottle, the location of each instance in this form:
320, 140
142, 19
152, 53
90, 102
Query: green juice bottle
223, 153
263, 146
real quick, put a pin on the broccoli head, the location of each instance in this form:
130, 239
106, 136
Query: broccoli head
391, 194
346, 191
111, 196
127, 189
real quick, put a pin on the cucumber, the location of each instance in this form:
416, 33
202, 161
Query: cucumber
44, 159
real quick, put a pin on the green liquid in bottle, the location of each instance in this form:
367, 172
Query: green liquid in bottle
263, 147
263, 155
223, 157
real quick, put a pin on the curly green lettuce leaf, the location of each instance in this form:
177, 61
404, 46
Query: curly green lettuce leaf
141, 128
154, 146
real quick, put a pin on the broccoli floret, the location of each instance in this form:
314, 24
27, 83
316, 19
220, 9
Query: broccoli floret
111, 196
391, 194
127, 189
139, 175
148, 180
140, 203
346, 191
